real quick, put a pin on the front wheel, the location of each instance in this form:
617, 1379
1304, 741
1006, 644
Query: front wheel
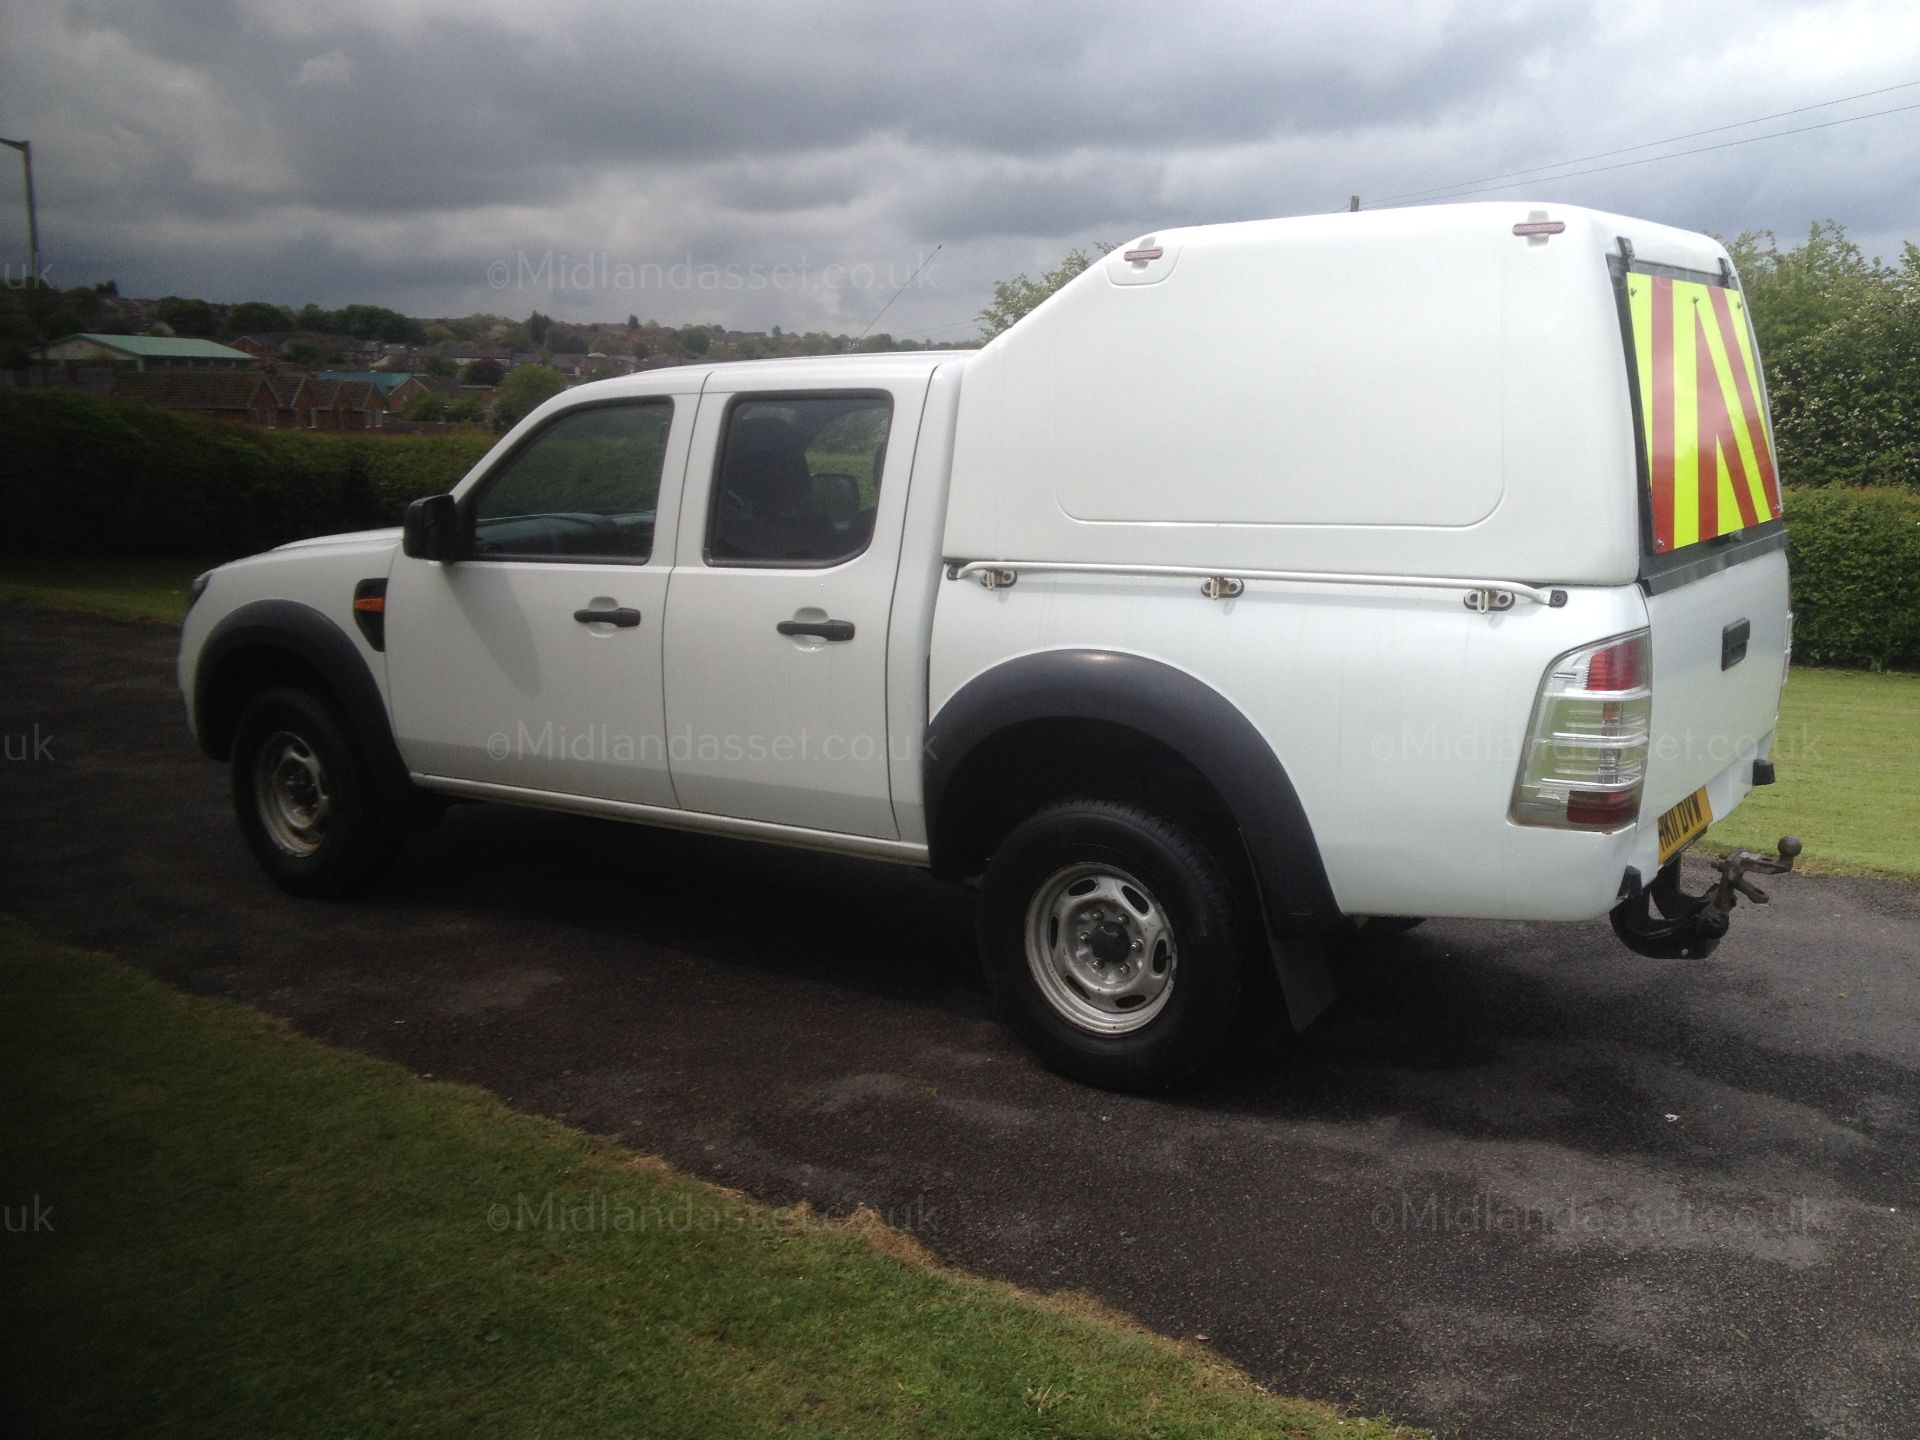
1111, 934
303, 799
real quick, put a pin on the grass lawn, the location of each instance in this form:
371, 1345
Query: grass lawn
1846, 784
217, 1227
153, 590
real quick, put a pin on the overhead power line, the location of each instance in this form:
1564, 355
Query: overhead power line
943, 329
1486, 182
896, 294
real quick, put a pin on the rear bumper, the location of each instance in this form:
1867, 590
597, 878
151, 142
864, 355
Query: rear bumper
1725, 790
1537, 873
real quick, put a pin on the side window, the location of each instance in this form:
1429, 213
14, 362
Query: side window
583, 488
798, 479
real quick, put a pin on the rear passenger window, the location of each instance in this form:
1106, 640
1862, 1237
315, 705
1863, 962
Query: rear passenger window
798, 480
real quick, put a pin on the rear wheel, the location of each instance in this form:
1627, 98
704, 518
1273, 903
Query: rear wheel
302, 797
1112, 937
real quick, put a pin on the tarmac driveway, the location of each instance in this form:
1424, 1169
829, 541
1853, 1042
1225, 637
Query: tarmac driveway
1518, 1183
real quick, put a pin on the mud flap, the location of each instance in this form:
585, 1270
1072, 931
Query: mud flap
1306, 979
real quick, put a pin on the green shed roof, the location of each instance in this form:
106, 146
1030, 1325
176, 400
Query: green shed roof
388, 380
165, 347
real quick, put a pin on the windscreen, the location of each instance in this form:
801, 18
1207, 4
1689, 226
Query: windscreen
1709, 453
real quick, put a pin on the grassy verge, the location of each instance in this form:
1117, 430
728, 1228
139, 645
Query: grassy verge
152, 590
1847, 785
215, 1226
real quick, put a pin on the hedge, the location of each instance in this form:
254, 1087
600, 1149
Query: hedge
80, 476
1855, 556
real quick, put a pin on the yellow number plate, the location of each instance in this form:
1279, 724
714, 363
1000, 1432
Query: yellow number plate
1685, 822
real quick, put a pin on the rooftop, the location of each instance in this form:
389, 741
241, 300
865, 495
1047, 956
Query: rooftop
165, 347
189, 389
387, 380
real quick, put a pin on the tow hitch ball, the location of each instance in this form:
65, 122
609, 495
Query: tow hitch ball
1688, 927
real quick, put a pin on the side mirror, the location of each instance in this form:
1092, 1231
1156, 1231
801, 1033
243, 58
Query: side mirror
432, 529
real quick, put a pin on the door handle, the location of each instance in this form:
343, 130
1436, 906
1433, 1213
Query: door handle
1733, 643
621, 616
819, 629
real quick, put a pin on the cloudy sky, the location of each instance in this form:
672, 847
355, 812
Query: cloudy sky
791, 164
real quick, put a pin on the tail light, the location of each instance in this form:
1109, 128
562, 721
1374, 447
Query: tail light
1586, 755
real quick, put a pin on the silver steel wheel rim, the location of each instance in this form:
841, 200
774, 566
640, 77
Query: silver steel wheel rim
1101, 949
291, 792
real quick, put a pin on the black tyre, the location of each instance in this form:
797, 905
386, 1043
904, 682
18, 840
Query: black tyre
1113, 939
303, 799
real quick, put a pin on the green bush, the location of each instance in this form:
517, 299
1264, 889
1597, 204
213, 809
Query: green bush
1839, 334
80, 476
1855, 555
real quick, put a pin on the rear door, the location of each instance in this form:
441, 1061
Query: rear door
1713, 540
777, 608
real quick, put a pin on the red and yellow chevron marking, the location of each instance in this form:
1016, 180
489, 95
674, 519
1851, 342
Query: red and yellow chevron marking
1710, 456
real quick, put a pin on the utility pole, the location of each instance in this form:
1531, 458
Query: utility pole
33, 224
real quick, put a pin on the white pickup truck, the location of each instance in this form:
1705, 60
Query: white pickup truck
1268, 581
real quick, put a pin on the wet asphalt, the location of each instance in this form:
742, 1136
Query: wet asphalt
1518, 1182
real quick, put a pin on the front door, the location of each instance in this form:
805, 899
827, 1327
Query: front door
776, 645
534, 660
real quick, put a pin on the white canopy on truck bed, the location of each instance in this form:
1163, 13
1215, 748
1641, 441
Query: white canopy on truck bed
1266, 396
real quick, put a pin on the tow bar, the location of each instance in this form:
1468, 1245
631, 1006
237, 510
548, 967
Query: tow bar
1690, 926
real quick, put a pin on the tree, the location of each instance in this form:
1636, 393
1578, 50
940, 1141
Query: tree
1793, 293
633, 323
253, 317
482, 372
425, 407
376, 322
187, 317
537, 325
1013, 299
522, 392
1839, 335
696, 340
443, 367
467, 410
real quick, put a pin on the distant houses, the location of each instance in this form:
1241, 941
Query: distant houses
239, 395
276, 344
273, 378
346, 404
280, 401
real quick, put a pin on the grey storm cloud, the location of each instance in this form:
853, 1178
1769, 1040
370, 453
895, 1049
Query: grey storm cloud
403, 151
